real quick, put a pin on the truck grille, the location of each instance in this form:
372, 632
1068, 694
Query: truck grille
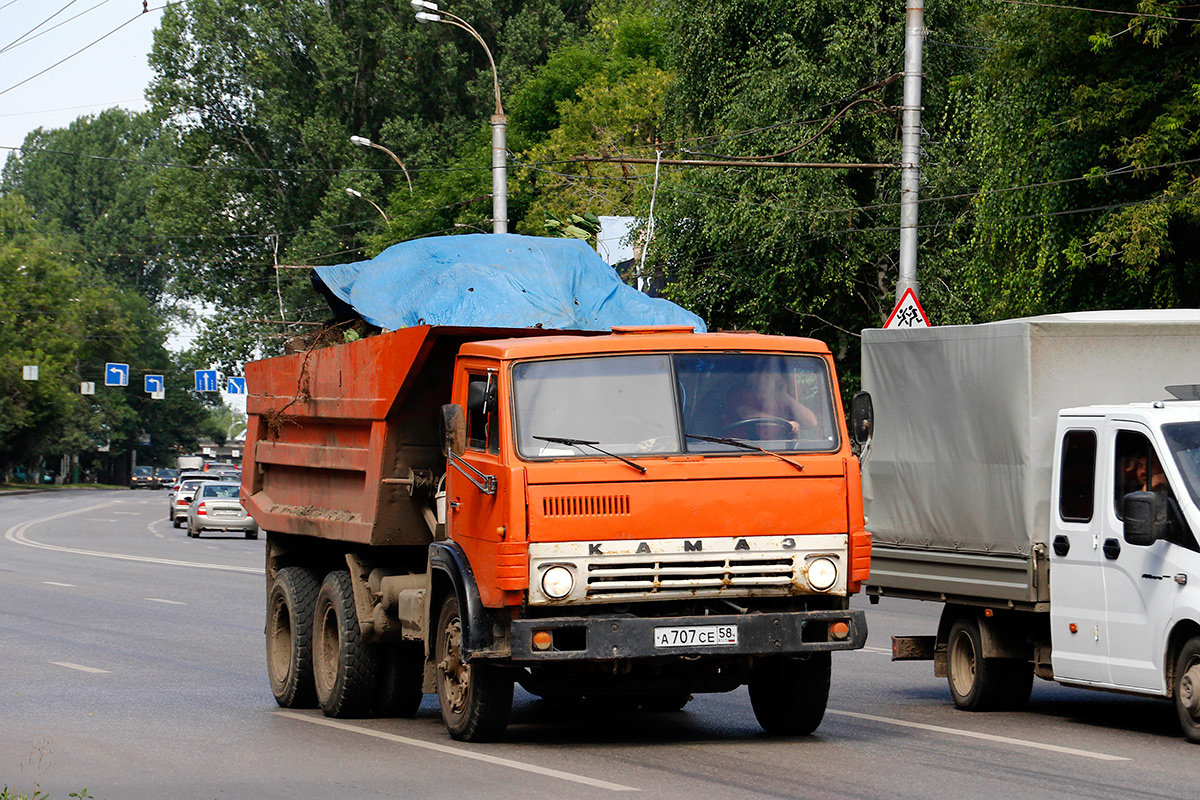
684, 576
586, 506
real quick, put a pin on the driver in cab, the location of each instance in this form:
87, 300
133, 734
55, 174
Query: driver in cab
764, 405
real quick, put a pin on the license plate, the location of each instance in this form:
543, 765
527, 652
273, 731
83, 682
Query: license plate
220, 513
696, 635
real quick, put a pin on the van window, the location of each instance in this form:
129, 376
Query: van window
1136, 468
1077, 481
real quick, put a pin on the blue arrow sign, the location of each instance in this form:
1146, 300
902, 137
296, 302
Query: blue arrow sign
153, 383
206, 380
116, 374
236, 386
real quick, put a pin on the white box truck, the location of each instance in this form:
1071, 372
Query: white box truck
1039, 479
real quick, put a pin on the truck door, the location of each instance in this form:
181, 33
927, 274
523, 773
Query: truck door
1139, 585
1078, 629
473, 503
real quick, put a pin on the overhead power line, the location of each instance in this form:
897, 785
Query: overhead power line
1097, 10
62, 61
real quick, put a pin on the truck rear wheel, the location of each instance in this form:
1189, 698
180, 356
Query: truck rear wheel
290, 605
1187, 689
789, 695
401, 674
978, 683
476, 698
344, 668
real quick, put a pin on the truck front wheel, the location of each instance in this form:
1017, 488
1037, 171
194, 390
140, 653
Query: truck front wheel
1187, 689
290, 605
344, 668
476, 698
789, 695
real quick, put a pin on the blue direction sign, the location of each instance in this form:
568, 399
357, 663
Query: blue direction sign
153, 383
116, 374
206, 380
236, 386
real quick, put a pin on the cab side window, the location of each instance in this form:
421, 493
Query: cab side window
1077, 487
1137, 468
483, 418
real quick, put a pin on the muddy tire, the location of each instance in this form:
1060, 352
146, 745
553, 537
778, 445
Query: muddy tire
978, 683
344, 669
290, 606
789, 695
1187, 689
476, 698
401, 673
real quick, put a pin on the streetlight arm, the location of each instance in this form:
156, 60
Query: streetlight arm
458, 22
363, 141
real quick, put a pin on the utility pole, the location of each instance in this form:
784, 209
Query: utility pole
910, 148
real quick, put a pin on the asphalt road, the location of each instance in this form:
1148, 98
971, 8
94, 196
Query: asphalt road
131, 662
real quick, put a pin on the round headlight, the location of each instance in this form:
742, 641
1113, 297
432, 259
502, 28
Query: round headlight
822, 573
557, 583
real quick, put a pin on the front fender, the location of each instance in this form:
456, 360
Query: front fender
480, 635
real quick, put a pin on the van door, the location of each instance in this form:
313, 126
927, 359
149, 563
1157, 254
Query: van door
1139, 585
1078, 629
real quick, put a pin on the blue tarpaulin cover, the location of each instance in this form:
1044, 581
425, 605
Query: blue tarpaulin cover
496, 280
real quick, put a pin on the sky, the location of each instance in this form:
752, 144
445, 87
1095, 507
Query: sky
35, 35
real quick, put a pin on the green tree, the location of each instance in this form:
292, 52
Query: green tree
1097, 117
797, 251
94, 178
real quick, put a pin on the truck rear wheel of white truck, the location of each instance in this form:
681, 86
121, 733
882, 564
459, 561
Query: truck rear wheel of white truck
978, 683
290, 604
344, 668
476, 697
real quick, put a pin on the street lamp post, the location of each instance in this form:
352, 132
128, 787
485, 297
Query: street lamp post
365, 199
428, 12
363, 141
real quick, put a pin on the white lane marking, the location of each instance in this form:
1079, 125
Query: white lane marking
18, 535
129, 513
880, 650
987, 737
56, 583
454, 751
168, 602
80, 667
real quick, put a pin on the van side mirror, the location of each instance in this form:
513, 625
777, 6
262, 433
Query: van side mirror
1145, 516
862, 417
453, 430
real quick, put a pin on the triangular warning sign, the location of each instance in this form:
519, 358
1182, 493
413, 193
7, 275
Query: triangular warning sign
907, 313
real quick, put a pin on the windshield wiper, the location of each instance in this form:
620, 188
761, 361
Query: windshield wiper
583, 443
744, 445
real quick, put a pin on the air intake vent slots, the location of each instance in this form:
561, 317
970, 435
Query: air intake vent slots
585, 506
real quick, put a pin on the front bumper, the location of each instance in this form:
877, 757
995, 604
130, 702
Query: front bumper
617, 638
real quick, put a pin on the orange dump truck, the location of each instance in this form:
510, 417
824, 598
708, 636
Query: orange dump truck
643, 514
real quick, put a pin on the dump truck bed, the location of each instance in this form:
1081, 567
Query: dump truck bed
333, 433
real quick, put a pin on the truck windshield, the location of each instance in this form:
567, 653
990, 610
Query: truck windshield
662, 404
1184, 440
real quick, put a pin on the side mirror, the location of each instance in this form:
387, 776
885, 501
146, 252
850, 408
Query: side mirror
862, 417
1145, 516
453, 430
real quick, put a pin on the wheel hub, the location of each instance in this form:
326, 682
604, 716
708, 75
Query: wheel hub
1189, 690
456, 676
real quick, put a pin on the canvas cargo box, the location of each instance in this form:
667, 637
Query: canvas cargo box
957, 480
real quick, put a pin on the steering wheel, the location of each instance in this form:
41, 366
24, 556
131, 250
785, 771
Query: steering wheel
784, 426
